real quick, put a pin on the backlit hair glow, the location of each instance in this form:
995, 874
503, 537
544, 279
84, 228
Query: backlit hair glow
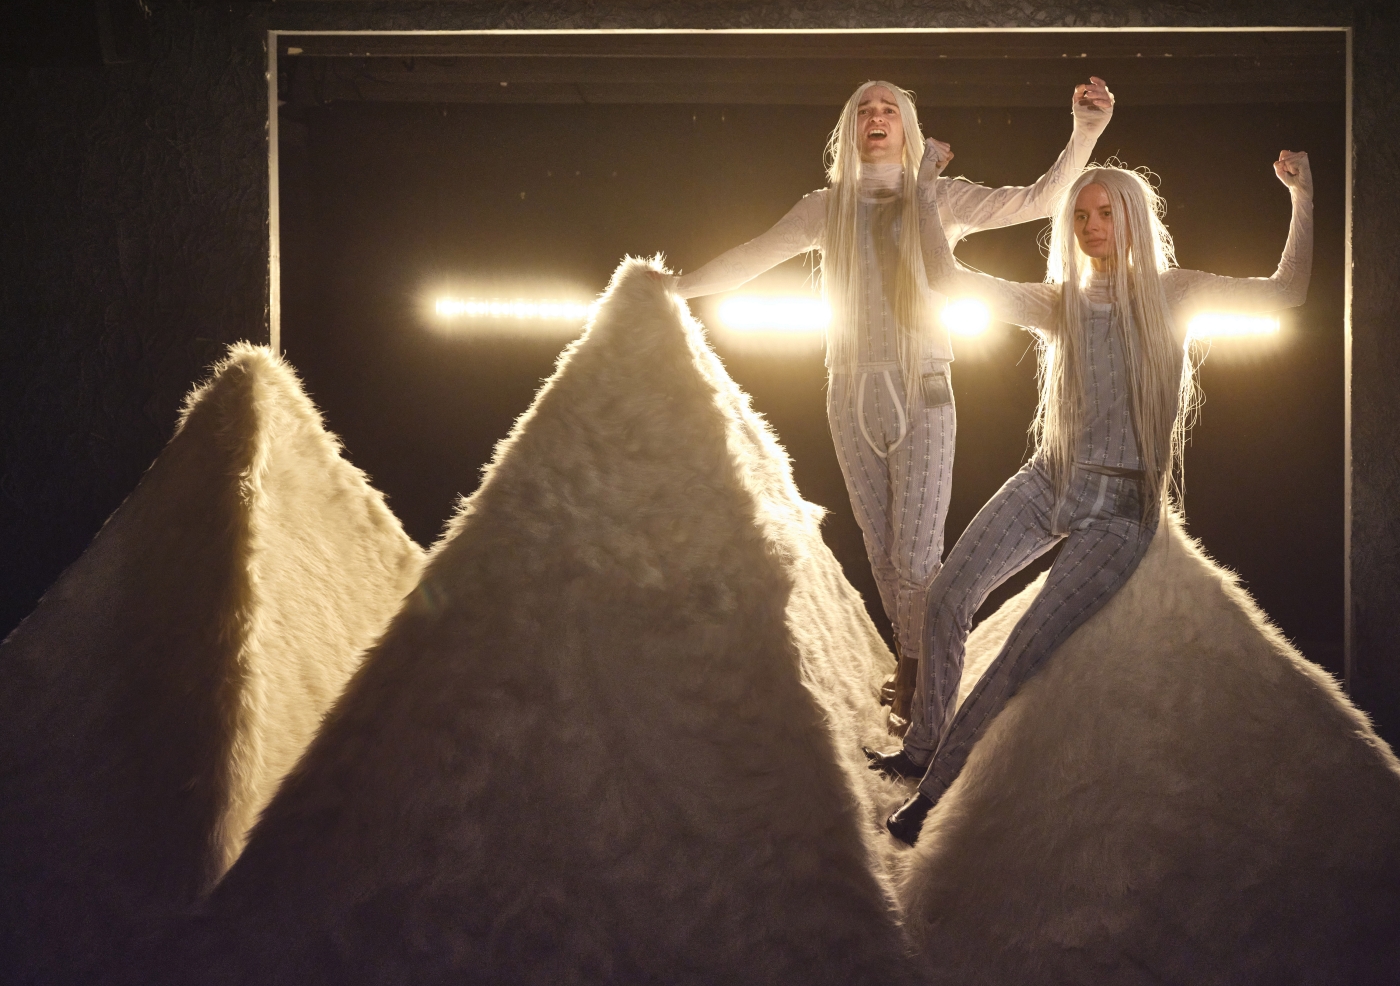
840, 264
1162, 374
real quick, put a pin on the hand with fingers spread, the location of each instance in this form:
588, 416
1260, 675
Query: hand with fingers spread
1294, 171
1092, 105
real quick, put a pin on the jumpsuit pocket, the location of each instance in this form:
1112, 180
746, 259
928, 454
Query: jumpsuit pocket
1129, 498
938, 389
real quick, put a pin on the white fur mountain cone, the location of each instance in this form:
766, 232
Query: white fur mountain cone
164, 684
1177, 797
584, 751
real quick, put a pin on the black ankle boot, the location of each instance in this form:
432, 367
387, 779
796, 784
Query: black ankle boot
909, 817
905, 677
890, 688
887, 690
893, 765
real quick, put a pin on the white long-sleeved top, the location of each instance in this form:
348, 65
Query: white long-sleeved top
1108, 439
963, 207
1188, 291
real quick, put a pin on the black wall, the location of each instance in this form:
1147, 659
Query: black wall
135, 206
134, 211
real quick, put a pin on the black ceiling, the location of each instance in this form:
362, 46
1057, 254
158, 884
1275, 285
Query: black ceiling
979, 68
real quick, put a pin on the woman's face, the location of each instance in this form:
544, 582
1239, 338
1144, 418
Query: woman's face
878, 127
1093, 222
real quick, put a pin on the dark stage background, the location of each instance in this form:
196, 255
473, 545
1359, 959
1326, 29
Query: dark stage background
384, 206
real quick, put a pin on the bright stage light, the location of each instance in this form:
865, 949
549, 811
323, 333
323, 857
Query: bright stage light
1213, 325
747, 313
518, 309
966, 316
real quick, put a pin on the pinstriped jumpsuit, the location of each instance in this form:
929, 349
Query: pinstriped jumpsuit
1098, 518
896, 449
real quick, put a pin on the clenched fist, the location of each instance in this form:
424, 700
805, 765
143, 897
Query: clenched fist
1293, 170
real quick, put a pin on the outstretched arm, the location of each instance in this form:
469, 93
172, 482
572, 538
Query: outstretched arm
969, 207
1287, 287
1031, 305
797, 232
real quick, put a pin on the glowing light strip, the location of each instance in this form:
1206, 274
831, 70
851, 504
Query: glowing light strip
1215, 325
796, 314
519, 308
747, 313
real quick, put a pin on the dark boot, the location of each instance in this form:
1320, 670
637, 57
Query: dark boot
908, 818
905, 676
894, 765
889, 688
897, 727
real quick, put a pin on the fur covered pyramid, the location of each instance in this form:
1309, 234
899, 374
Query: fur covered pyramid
151, 703
584, 751
1177, 797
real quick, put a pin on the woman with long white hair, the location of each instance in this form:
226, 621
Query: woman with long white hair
890, 400
1117, 389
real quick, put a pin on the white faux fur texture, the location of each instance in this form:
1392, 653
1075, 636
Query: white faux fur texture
1178, 797
584, 751
171, 676
328, 566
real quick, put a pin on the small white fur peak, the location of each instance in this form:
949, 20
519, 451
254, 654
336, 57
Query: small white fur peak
174, 672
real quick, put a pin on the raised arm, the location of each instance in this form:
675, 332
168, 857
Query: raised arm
1288, 286
797, 232
968, 207
1030, 305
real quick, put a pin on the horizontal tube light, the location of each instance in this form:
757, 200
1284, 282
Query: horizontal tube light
1215, 325
747, 313
520, 309
966, 316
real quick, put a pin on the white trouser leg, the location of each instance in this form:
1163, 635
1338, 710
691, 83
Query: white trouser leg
897, 461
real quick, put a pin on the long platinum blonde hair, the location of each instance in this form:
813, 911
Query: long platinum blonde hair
840, 263
1161, 373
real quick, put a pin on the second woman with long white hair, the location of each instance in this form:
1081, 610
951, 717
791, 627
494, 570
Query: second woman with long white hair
1116, 393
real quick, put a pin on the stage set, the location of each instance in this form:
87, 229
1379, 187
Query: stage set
372, 647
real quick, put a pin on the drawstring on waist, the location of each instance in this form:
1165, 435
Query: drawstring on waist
898, 406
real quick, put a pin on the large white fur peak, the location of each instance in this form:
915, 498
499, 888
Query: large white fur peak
1177, 797
164, 684
584, 751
